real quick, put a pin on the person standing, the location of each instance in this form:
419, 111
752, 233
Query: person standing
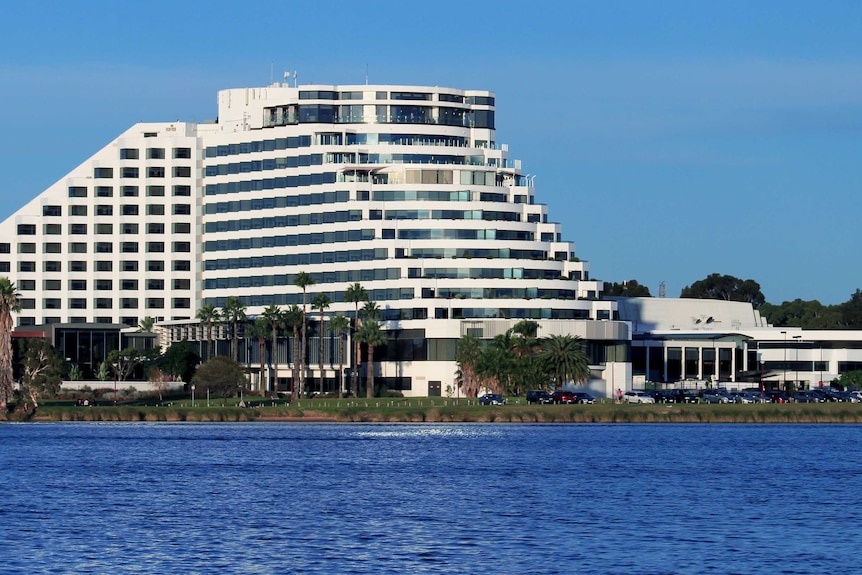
619, 395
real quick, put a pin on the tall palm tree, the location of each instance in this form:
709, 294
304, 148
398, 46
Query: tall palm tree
275, 316
260, 329
207, 315
565, 359
9, 303
321, 303
293, 319
371, 334
303, 280
467, 355
146, 325
355, 294
233, 312
339, 325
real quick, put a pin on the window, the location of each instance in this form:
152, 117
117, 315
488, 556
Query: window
26, 248
51, 285
155, 210
130, 209
53, 229
104, 210
78, 229
104, 285
128, 285
77, 248
181, 303
128, 302
155, 266
182, 153
182, 228
77, 192
26, 229
129, 154
52, 211
104, 247
155, 172
130, 228
182, 284
78, 285
155, 247
26, 266
27, 303
182, 265
104, 266
181, 247
129, 266
77, 266
182, 172
27, 285
104, 191
130, 191
51, 266
156, 228
103, 173
51, 303
104, 229
155, 153
154, 284
182, 190
5, 267
78, 210
155, 191
129, 247
182, 209
155, 303
103, 303
128, 172
51, 247
5, 248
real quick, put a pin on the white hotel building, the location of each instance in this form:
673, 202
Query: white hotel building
403, 189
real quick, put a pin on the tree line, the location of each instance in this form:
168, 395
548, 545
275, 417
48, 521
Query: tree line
797, 313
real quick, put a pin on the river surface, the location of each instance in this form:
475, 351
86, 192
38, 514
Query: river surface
173, 498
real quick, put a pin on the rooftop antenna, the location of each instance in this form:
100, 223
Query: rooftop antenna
287, 78
662, 289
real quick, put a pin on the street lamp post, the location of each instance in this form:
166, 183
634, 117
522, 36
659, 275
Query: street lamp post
193, 395
798, 339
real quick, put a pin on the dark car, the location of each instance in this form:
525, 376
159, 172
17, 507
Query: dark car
492, 399
808, 397
777, 396
584, 397
564, 396
538, 396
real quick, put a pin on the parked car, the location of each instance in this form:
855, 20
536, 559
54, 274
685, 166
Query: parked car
808, 397
564, 396
636, 396
584, 397
492, 399
714, 396
538, 396
777, 396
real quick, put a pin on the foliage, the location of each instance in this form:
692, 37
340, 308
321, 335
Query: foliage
277, 319
321, 302
339, 326
630, 288
302, 281
9, 303
294, 319
565, 359
124, 362
146, 325
371, 334
180, 360
849, 380
851, 311
41, 369
103, 373
233, 313
725, 287
467, 354
804, 314
221, 375
74, 373
261, 330
355, 294
207, 315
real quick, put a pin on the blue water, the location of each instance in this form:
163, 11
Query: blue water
423, 498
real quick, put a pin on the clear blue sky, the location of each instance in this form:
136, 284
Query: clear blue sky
672, 139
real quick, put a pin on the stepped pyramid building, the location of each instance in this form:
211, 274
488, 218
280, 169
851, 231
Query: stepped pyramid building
402, 189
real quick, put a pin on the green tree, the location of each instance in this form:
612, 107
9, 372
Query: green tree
221, 375
851, 311
75, 373
146, 325
103, 373
260, 329
468, 353
339, 325
725, 287
804, 314
123, 362
355, 294
321, 303
849, 380
275, 316
41, 370
293, 319
9, 303
207, 315
565, 359
302, 281
630, 288
180, 360
372, 336
233, 312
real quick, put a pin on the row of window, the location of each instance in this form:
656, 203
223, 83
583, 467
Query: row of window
101, 229
484, 273
131, 172
125, 191
280, 260
383, 95
487, 253
314, 199
288, 279
300, 161
107, 210
155, 153
289, 240
377, 295
51, 319
108, 248
292, 114
108, 284
272, 183
107, 266
485, 215
106, 303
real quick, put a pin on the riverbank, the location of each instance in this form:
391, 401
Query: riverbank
465, 411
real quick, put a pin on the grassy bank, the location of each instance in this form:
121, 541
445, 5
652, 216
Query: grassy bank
449, 410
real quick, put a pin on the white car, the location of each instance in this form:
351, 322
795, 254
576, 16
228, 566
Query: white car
637, 397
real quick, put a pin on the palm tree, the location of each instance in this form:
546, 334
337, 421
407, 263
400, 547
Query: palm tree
9, 303
565, 359
467, 356
207, 315
303, 280
370, 334
233, 312
339, 325
293, 319
355, 294
260, 329
273, 314
320, 303
146, 325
